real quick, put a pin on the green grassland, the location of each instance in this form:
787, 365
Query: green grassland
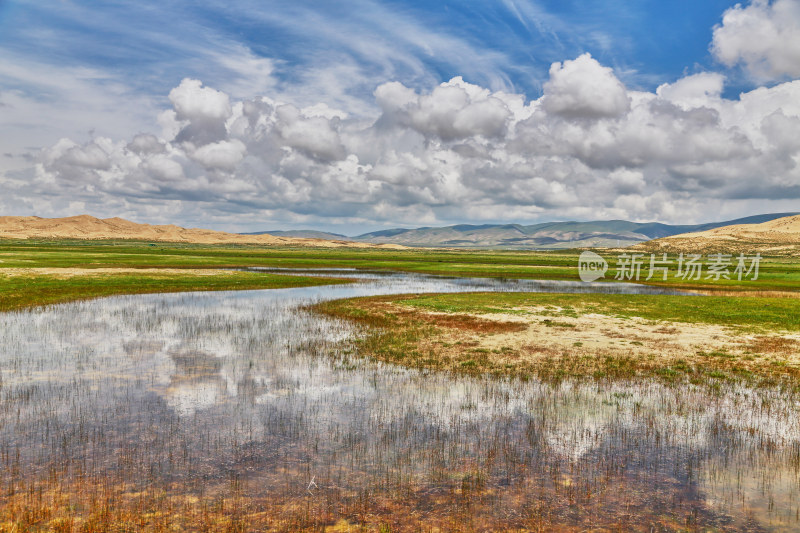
761, 314
746, 305
417, 331
776, 273
20, 292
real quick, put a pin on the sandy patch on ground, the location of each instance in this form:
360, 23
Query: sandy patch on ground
757, 294
603, 334
531, 335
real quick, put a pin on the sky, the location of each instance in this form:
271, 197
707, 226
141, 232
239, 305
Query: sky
355, 116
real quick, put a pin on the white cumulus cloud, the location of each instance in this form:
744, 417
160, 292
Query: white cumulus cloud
192, 101
221, 155
589, 147
584, 88
453, 110
763, 36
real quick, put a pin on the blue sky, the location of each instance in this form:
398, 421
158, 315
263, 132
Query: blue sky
506, 44
87, 70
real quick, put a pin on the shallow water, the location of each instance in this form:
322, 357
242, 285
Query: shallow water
242, 404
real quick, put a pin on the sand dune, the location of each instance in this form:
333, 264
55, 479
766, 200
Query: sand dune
91, 228
780, 236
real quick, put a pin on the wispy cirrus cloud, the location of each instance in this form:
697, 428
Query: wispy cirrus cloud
334, 113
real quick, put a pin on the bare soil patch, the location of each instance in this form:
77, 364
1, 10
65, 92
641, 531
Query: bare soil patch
549, 341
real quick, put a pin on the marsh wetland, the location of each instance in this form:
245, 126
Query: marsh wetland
249, 411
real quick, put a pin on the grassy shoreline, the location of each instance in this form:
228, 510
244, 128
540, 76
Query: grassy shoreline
30, 291
410, 335
477, 333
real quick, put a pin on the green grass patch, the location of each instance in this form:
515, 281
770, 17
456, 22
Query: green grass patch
776, 273
19, 292
748, 313
416, 338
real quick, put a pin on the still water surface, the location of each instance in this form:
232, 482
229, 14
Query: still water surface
246, 397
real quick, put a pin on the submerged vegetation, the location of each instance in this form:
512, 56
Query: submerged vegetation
245, 412
252, 411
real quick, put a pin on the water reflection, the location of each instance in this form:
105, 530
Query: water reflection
460, 284
244, 397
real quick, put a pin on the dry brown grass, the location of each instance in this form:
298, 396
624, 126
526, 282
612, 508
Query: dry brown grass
774, 345
751, 293
474, 324
543, 342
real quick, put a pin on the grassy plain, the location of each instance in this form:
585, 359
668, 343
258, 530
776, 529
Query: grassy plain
750, 314
776, 273
554, 336
419, 331
33, 290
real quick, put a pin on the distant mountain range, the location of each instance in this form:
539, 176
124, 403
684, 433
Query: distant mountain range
547, 235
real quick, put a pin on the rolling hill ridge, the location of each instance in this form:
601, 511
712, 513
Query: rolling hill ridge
547, 235
774, 237
86, 227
